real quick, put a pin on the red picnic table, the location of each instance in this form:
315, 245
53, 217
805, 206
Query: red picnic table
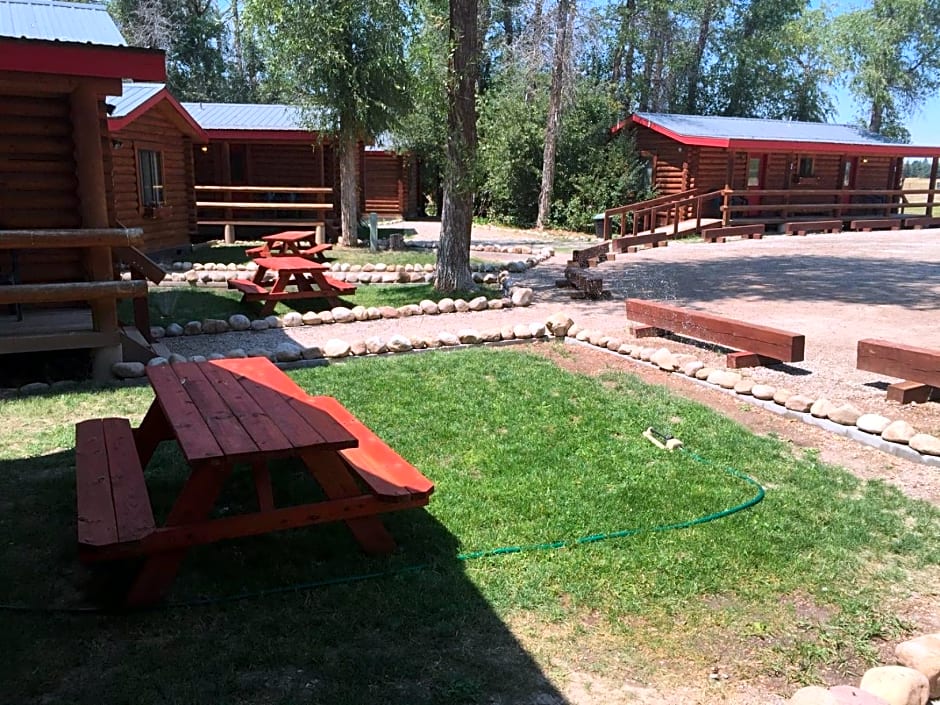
226, 414
296, 243
308, 277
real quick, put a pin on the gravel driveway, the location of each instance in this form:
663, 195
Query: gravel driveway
834, 288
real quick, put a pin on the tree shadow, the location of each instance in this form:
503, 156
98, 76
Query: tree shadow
317, 621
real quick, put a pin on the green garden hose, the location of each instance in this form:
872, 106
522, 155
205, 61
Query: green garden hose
662, 440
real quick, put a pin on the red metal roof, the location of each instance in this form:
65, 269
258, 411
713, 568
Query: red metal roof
75, 59
755, 134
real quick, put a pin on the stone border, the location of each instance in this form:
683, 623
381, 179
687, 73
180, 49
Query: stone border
870, 429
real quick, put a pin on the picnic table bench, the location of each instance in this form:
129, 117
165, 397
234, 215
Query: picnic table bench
756, 345
298, 243
230, 416
918, 367
308, 277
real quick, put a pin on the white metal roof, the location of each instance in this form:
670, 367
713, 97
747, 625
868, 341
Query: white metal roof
61, 21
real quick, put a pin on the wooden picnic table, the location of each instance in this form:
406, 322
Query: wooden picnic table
297, 243
308, 277
229, 416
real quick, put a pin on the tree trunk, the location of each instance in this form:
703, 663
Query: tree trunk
453, 255
349, 190
695, 70
565, 10
876, 116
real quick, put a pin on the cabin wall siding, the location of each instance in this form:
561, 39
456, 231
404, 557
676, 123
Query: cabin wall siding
175, 222
670, 173
385, 184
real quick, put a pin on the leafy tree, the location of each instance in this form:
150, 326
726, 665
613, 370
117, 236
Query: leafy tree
891, 57
343, 63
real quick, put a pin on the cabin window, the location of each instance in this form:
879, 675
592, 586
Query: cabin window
807, 167
150, 168
753, 171
847, 174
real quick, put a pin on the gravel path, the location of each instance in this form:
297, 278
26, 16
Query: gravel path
835, 289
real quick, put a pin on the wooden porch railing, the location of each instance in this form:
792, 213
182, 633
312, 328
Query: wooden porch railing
99, 289
778, 205
644, 214
231, 206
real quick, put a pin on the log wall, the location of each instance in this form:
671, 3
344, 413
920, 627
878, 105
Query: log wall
175, 221
671, 161
385, 184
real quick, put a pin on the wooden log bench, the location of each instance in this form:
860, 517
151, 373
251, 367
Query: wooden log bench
387, 475
638, 242
756, 345
868, 224
591, 256
812, 226
745, 232
113, 502
587, 283
918, 367
922, 222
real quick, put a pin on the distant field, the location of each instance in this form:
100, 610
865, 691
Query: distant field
914, 184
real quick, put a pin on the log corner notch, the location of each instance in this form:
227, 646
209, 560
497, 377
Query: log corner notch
918, 367
755, 345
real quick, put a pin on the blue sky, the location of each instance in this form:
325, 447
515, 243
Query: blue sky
923, 122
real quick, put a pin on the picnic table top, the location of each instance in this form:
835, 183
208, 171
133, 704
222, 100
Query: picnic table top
242, 409
290, 263
290, 236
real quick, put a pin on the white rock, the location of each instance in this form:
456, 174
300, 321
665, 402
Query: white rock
844, 414
490, 335
898, 685
157, 332
311, 318
922, 654
522, 296
691, 367
782, 395
446, 305
813, 695
446, 338
128, 370
763, 391
429, 308
376, 346
798, 402
703, 373
260, 352
342, 314
480, 303
390, 312
326, 317
469, 336
522, 331
214, 326
873, 423
292, 319
198, 358
899, 432
360, 313
373, 313
174, 330
559, 324
357, 347
274, 322
399, 343
925, 443
537, 330
239, 322
288, 352
335, 348
496, 304
664, 359
236, 353
157, 361
744, 386
613, 344
314, 352
821, 408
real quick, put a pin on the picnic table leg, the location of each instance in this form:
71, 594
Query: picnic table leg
262, 478
194, 503
337, 482
152, 431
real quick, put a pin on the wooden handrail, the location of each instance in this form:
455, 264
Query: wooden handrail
79, 237
266, 205
71, 291
268, 189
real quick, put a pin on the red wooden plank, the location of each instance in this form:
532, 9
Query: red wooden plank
384, 470
96, 522
228, 431
132, 511
181, 413
898, 360
289, 264
254, 418
262, 478
748, 337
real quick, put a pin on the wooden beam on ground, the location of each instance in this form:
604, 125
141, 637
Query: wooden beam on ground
918, 367
759, 344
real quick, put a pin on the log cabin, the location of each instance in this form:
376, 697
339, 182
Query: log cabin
738, 170
59, 232
268, 151
152, 140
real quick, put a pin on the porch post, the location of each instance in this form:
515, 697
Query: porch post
932, 185
226, 164
93, 207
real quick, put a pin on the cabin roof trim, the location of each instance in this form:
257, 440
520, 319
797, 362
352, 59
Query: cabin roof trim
757, 134
62, 21
81, 59
140, 97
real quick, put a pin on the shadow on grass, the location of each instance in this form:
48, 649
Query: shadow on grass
416, 635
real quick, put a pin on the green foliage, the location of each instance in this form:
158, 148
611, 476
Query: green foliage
593, 170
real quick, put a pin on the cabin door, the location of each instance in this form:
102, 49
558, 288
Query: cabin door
756, 178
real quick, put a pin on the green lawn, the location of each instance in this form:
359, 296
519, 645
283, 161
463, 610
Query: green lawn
180, 304
522, 452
